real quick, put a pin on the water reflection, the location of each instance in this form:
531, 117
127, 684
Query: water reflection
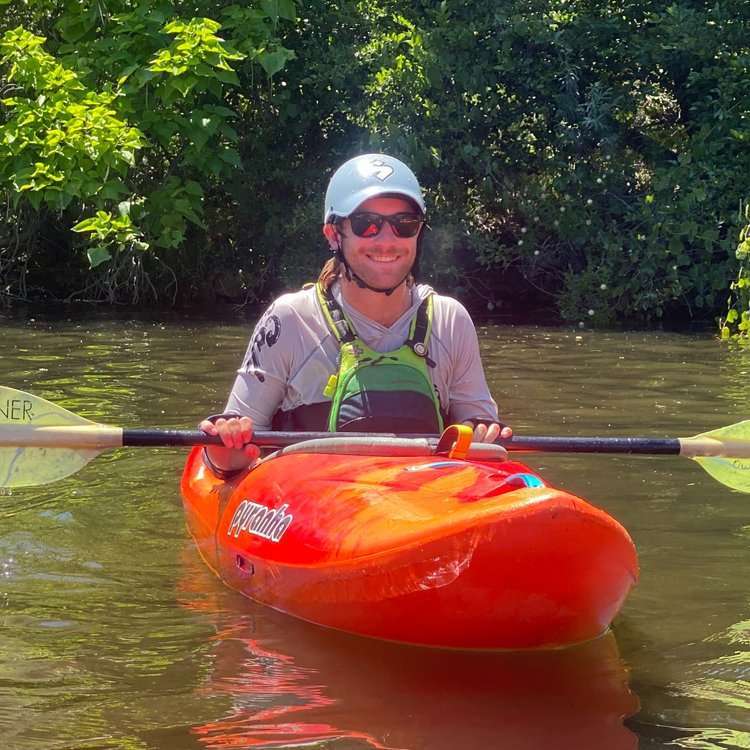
290, 683
724, 681
735, 373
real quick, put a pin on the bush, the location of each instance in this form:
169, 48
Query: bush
588, 154
736, 323
128, 133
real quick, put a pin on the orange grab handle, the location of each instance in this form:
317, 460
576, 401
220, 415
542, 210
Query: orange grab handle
455, 441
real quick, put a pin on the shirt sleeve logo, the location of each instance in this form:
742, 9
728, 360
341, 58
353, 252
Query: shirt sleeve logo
266, 334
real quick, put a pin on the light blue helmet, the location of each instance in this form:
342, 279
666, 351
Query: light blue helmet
367, 176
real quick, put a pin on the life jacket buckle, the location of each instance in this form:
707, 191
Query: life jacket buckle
342, 328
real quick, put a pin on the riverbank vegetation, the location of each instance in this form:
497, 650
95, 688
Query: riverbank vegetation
588, 157
735, 324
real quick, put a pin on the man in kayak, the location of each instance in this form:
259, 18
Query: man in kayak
366, 349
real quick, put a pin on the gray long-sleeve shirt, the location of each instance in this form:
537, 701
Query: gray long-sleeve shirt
292, 354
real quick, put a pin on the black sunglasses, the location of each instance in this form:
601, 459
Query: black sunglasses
369, 224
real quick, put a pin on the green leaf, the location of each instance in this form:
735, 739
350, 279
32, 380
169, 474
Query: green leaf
184, 83
98, 255
193, 188
127, 73
273, 62
228, 76
111, 190
35, 199
230, 156
85, 226
271, 9
74, 27
224, 111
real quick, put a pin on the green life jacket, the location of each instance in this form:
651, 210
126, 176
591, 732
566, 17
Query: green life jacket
381, 391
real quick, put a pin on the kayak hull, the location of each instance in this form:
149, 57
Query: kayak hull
446, 553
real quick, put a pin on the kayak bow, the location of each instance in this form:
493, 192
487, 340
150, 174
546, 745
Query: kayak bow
425, 550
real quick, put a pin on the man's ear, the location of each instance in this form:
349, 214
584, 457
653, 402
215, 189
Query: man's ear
332, 235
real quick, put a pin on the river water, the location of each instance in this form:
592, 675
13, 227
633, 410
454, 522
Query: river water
113, 634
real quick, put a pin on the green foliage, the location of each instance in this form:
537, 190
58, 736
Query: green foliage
105, 229
69, 143
594, 154
736, 323
61, 141
585, 155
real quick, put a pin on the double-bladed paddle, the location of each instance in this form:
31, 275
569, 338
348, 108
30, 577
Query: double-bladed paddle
41, 442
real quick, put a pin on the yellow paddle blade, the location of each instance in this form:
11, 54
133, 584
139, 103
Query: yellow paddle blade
734, 432
726, 454
26, 466
20, 408
29, 467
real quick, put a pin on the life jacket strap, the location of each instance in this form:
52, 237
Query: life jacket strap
421, 328
342, 329
337, 321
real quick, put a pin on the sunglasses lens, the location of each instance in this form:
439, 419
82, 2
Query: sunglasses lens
366, 225
406, 225
369, 225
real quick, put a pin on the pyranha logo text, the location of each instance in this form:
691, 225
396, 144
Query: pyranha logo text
257, 519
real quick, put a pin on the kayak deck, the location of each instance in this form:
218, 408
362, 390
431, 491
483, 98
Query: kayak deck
438, 552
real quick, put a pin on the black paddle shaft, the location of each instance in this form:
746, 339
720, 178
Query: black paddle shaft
646, 446
274, 439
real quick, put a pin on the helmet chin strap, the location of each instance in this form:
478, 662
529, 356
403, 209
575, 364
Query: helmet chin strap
360, 282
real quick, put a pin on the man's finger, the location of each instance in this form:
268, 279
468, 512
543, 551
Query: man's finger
246, 429
492, 433
208, 427
232, 434
479, 432
251, 451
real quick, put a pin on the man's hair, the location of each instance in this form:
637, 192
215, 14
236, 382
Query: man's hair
329, 273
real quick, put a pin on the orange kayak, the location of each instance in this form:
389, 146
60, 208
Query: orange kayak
426, 550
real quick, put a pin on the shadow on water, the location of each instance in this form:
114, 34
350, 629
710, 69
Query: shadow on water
289, 683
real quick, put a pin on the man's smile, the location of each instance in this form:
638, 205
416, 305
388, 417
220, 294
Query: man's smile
382, 258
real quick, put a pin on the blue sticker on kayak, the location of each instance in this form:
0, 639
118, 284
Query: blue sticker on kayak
524, 480
437, 465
